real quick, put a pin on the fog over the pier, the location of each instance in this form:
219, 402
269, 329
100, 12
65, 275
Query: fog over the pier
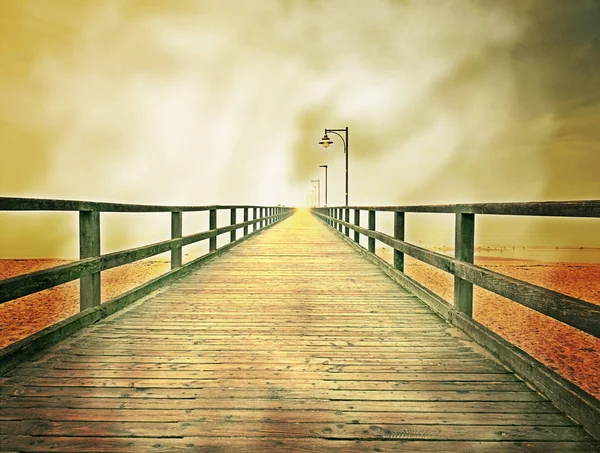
203, 102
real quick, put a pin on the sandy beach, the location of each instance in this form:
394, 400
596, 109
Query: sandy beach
570, 352
27, 315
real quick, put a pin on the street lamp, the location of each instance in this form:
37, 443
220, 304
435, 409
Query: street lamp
325, 167
318, 181
326, 141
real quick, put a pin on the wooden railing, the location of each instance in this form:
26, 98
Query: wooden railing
569, 310
91, 263
580, 405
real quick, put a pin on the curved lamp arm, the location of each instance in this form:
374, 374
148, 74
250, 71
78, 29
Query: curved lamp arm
328, 131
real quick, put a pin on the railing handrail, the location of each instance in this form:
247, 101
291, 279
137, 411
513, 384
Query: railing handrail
576, 208
575, 312
46, 204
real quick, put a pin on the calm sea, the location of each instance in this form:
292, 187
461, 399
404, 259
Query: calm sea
584, 255
573, 255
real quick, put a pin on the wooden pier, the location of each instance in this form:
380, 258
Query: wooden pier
289, 342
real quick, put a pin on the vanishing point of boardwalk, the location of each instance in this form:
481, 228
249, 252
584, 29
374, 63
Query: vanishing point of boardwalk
290, 342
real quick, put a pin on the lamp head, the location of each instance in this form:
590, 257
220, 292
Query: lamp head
325, 141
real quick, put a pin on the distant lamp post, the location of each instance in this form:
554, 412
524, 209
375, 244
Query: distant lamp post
325, 167
326, 141
318, 181
313, 196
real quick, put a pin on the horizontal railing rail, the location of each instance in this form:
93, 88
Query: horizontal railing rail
584, 208
575, 312
40, 204
91, 263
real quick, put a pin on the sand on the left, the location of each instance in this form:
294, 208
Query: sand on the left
27, 315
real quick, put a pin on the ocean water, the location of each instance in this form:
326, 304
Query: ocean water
583, 255
543, 254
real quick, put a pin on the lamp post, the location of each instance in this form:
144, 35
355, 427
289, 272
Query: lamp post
326, 141
318, 181
325, 167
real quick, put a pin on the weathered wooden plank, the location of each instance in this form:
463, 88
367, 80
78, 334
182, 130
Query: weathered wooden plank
316, 392
372, 227
464, 245
212, 225
176, 233
90, 444
232, 221
357, 223
203, 352
26, 424
261, 374
125, 427
89, 247
104, 359
37, 389
399, 227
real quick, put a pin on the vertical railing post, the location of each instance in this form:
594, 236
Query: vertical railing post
262, 215
89, 247
254, 216
357, 223
245, 220
340, 217
232, 221
347, 220
212, 225
372, 227
464, 246
176, 232
399, 234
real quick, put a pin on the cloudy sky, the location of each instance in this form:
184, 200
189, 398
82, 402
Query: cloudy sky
224, 101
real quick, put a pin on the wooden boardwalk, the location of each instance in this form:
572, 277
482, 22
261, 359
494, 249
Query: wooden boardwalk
290, 342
